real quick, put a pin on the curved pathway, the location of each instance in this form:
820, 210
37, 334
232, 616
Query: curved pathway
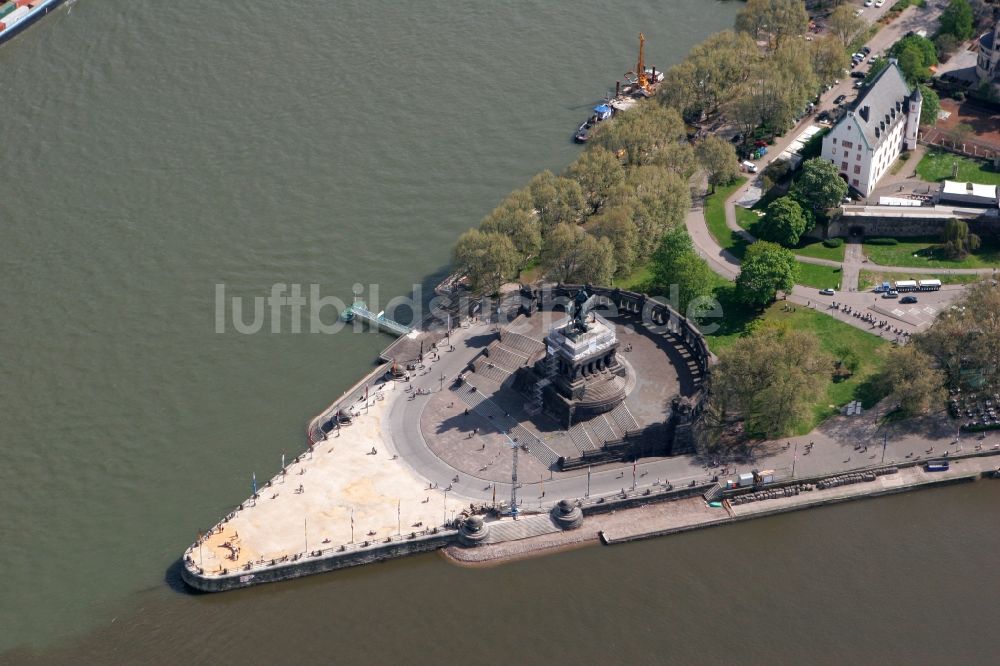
910, 320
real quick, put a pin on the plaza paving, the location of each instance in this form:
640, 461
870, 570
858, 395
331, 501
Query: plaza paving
341, 476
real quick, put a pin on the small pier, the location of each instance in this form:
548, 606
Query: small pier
380, 321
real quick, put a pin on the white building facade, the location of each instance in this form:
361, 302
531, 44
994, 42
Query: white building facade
868, 139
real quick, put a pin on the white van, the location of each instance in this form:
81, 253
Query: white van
748, 166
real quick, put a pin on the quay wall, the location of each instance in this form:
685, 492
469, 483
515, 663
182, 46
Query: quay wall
806, 502
315, 431
308, 565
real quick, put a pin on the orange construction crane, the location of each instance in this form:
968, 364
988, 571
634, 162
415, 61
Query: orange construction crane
640, 67
639, 78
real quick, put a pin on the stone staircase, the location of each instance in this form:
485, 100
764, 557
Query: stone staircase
523, 528
623, 419
581, 440
506, 358
490, 370
602, 428
521, 343
486, 408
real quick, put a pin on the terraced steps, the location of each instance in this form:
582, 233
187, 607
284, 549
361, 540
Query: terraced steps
488, 409
524, 528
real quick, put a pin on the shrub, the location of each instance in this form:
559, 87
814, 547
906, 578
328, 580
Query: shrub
958, 95
883, 241
833, 242
904, 156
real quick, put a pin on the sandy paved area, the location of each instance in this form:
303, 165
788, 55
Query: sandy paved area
339, 477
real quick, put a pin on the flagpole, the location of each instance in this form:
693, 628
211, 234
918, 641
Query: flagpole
588, 480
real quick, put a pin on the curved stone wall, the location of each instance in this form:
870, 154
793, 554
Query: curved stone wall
670, 438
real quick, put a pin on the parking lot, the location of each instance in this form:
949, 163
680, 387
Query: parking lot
866, 309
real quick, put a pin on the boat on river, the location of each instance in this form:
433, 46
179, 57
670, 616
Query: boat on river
16, 15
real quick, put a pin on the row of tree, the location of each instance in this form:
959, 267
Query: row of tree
599, 219
761, 74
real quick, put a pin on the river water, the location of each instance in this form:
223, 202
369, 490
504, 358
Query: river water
153, 150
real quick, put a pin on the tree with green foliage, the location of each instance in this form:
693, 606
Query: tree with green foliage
911, 64
648, 134
876, 68
820, 186
488, 259
702, 82
946, 44
958, 242
965, 340
520, 226
922, 45
930, 106
598, 171
845, 25
660, 201
957, 19
773, 20
572, 255
784, 223
718, 158
617, 226
768, 381
556, 199
767, 268
829, 59
912, 380
679, 272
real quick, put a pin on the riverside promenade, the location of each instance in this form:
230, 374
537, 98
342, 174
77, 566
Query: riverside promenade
397, 480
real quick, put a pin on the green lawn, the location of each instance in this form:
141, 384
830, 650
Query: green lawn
808, 247
936, 166
819, 277
868, 279
927, 252
640, 279
715, 216
833, 335
748, 217
812, 247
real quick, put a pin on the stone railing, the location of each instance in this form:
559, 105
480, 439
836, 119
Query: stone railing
675, 434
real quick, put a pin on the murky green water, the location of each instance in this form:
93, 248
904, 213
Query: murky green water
152, 150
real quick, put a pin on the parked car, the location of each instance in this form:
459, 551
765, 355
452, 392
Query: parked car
827, 292
892, 293
840, 99
858, 84
858, 75
908, 299
865, 50
879, 3
869, 3
748, 166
